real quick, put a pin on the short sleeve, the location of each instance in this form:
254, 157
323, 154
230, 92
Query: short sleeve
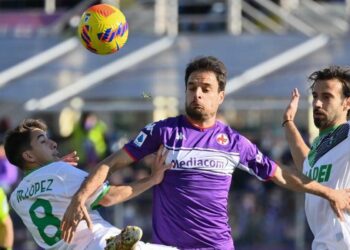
73, 177
97, 196
254, 162
146, 142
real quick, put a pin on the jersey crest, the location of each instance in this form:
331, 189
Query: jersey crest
222, 139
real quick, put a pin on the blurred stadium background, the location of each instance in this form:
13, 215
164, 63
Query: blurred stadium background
94, 104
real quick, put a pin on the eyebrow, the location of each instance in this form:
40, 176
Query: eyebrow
194, 82
323, 93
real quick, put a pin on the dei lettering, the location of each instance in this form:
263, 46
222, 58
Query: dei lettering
320, 173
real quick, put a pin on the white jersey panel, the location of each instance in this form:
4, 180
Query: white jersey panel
41, 199
204, 160
333, 170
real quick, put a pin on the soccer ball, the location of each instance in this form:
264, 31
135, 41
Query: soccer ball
103, 29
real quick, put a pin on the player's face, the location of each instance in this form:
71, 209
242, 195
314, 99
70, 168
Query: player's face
203, 97
43, 150
329, 104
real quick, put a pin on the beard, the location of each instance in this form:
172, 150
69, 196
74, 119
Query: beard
319, 123
195, 114
320, 120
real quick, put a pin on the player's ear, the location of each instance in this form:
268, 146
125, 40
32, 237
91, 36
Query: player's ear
346, 103
28, 156
221, 96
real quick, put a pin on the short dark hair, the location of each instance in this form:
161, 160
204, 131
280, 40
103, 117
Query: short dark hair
341, 73
18, 140
208, 63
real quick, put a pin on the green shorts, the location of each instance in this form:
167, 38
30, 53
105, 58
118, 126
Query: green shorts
4, 206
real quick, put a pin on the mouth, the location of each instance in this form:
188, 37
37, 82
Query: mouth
318, 113
56, 154
196, 105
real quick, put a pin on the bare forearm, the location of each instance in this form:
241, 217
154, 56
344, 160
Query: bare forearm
297, 145
92, 182
296, 181
119, 194
100, 173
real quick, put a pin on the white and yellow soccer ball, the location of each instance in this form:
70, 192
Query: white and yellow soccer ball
103, 29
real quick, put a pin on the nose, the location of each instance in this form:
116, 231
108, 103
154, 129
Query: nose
53, 144
317, 103
198, 93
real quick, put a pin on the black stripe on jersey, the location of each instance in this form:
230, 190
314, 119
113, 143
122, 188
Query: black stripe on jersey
332, 140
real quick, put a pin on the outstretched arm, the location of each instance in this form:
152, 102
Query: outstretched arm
294, 180
76, 211
297, 145
121, 193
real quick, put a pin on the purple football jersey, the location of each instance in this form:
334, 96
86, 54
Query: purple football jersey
190, 205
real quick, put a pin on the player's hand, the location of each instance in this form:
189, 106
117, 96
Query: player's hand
72, 158
76, 212
291, 110
159, 166
340, 202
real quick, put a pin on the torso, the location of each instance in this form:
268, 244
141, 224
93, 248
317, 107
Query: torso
190, 205
330, 166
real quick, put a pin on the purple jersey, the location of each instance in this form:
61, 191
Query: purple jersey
190, 205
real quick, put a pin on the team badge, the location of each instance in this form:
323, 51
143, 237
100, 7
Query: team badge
140, 139
222, 139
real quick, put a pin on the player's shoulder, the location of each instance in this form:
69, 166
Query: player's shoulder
170, 121
63, 168
347, 127
56, 167
225, 128
343, 131
162, 125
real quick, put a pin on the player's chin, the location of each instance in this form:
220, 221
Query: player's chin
56, 157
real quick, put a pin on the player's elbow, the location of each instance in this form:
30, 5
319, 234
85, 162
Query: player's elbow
109, 200
106, 201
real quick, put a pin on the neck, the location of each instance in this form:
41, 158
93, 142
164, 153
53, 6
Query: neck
31, 166
202, 124
330, 127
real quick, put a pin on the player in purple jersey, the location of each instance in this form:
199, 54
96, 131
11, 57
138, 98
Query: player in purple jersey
190, 205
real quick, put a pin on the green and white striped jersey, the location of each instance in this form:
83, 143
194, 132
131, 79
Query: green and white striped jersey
41, 199
328, 163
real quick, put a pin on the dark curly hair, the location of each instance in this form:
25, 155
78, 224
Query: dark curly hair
208, 63
342, 74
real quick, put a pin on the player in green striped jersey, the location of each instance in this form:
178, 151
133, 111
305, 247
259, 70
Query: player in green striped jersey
328, 159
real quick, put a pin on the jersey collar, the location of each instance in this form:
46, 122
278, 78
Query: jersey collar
195, 126
327, 130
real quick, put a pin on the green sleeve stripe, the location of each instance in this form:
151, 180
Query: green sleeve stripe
105, 190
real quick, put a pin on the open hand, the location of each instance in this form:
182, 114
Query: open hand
72, 158
340, 202
291, 110
75, 212
159, 166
